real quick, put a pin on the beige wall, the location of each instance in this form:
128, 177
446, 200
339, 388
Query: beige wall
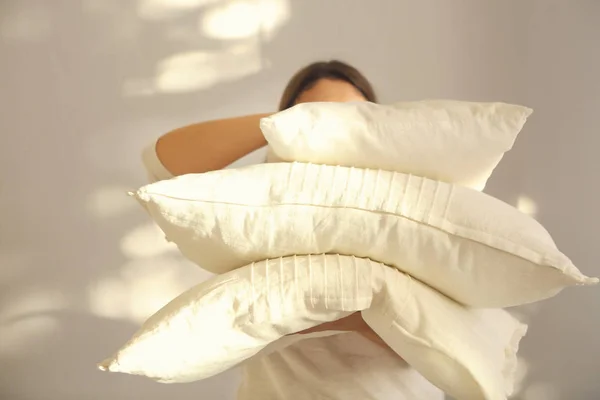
555, 163
86, 83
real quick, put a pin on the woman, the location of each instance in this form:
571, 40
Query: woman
354, 365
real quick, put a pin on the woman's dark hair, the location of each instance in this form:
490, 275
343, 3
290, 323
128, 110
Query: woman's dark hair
308, 76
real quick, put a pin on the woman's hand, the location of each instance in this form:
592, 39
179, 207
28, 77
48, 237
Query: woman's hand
351, 323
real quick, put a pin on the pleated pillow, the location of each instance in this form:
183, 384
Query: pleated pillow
468, 245
232, 317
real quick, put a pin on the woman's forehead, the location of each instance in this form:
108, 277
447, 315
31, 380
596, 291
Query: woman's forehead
333, 90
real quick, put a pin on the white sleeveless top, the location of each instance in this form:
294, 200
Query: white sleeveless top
342, 366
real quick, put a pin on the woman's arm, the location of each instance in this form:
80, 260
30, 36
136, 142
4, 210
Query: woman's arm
209, 146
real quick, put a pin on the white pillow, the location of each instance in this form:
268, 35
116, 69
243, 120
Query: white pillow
230, 318
468, 353
451, 141
466, 244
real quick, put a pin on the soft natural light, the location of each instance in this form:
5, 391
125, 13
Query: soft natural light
34, 302
275, 13
24, 319
164, 9
142, 287
146, 241
527, 206
243, 24
245, 18
187, 72
19, 336
110, 201
110, 298
197, 70
152, 290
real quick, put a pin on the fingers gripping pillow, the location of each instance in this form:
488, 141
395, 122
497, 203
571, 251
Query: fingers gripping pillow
464, 243
233, 317
452, 141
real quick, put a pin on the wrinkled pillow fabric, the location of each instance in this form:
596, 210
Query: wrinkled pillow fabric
232, 317
452, 141
468, 353
468, 245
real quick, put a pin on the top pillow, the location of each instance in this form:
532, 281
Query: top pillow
452, 141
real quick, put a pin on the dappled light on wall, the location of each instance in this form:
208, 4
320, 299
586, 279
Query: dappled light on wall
245, 18
29, 317
154, 275
110, 298
198, 70
19, 335
146, 241
110, 201
527, 206
166, 9
34, 302
241, 27
140, 288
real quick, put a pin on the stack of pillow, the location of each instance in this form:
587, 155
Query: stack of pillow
371, 208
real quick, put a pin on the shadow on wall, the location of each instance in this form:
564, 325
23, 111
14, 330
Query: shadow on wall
84, 267
219, 40
62, 358
235, 31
